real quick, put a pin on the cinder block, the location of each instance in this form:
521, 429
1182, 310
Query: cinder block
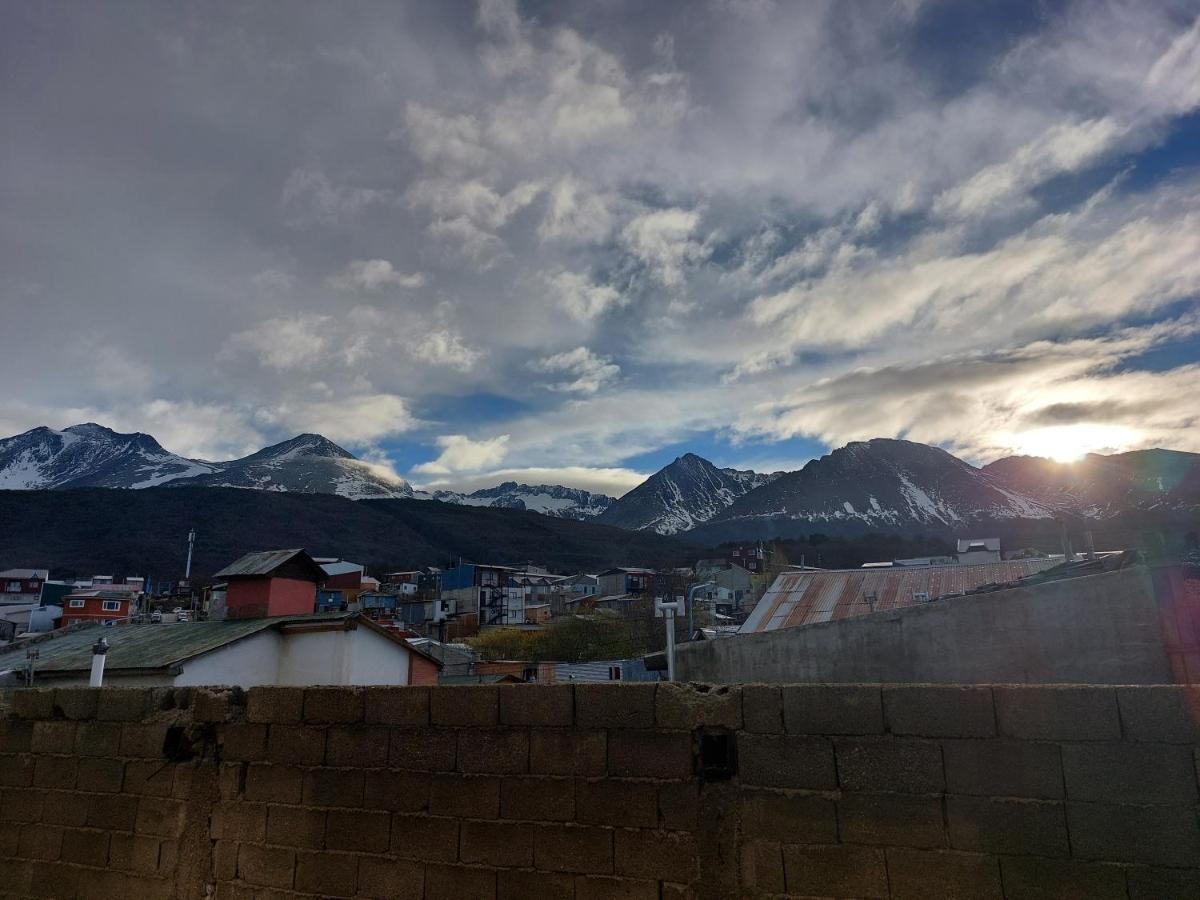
923, 874
295, 826
679, 805
1003, 768
897, 820
613, 801
903, 765
1032, 878
333, 704
144, 741
465, 705
606, 887
240, 821
396, 705
76, 703
85, 847
689, 706
1130, 773
40, 842
835, 870
491, 751
159, 816
397, 790
446, 882
20, 805
762, 708
33, 703
538, 705
59, 879
495, 844
16, 876
52, 737
357, 745
390, 879
243, 742
16, 735
469, 796
137, 853
1018, 827
1155, 835
107, 776
1052, 713
224, 861
123, 704
282, 705
217, 704
832, 709
358, 829
537, 799
115, 812
1166, 713
274, 784
800, 818
424, 749
567, 752
62, 808
97, 739
425, 838
54, 771
939, 710
657, 855
16, 770
787, 761
327, 874
762, 866
1162, 884
518, 884
650, 754
296, 745
142, 776
615, 705
334, 787
266, 866
582, 849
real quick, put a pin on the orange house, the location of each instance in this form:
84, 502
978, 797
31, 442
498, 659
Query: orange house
271, 583
96, 605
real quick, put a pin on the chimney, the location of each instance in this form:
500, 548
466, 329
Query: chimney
99, 652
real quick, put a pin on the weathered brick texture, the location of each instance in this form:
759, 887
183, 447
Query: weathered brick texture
598, 792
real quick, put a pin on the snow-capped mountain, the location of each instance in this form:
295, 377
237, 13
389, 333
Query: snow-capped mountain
682, 495
90, 455
547, 499
887, 484
307, 464
1104, 486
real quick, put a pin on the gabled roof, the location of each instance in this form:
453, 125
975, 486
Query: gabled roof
990, 544
265, 562
26, 574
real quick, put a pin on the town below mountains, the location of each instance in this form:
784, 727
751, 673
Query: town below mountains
880, 485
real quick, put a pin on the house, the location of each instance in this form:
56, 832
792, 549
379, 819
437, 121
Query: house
739, 582
342, 584
98, 605
271, 583
335, 649
22, 586
625, 580
488, 591
972, 551
581, 585
537, 613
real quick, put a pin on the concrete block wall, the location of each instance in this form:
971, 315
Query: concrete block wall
602, 791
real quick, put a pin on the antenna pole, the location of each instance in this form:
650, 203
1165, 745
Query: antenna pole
187, 573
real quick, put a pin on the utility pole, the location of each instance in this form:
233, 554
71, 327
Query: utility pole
187, 572
668, 609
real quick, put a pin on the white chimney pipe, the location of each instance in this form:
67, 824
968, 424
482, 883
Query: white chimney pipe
99, 652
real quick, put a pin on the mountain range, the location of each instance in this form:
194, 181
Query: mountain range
876, 485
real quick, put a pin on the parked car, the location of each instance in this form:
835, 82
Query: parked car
156, 617
182, 617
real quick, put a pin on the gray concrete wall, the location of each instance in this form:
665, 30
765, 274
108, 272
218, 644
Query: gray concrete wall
1100, 629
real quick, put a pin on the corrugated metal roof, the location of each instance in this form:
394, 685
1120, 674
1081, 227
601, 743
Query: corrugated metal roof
26, 574
143, 646
803, 598
263, 562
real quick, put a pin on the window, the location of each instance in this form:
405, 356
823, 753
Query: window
14, 587
77, 604
614, 673
111, 605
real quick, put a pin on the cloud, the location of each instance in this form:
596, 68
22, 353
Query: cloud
369, 275
285, 342
589, 372
576, 214
310, 198
355, 419
612, 482
445, 348
581, 298
461, 453
662, 240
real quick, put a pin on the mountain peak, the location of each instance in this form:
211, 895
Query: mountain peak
307, 444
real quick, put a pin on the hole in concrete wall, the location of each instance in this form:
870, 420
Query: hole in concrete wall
717, 755
177, 744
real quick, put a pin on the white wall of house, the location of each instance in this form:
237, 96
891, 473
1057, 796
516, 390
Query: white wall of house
251, 661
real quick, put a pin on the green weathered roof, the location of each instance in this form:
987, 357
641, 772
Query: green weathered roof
141, 647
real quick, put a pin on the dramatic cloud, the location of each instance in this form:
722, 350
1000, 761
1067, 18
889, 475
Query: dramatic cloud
462, 454
587, 371
370, 275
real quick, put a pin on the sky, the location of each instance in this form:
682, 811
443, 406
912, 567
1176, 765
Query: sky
566, 242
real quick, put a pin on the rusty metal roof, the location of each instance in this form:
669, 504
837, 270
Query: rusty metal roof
803, 598
267, 561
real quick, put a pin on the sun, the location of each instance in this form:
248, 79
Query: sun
1070, 443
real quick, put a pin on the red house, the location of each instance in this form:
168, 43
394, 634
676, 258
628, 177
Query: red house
96, 605
271, 583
